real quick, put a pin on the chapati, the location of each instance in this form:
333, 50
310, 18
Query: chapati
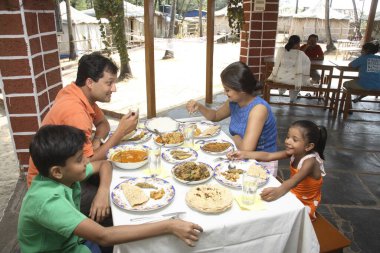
134, 195
209, 198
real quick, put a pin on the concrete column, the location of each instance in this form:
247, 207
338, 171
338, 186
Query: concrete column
258, 36
30, 74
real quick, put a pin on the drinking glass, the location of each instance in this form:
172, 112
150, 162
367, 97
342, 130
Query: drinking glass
188, 134
155, 161
249, 189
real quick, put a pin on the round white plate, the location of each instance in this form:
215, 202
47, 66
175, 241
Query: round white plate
209, 168
244, 165
202, 125
128, 166
162, 124
120, 200
167, 156
145, 138
203, 143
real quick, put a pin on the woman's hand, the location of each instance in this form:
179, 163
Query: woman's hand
192, 106
272, 193
186, 231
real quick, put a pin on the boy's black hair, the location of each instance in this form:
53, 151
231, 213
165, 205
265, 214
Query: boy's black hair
92, 66
293, 40
239, 77
53, 145
371, 48
314, 134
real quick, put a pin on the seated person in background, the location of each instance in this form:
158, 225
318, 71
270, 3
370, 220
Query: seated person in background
252, 125
315, 53
304, 144
369, 70
50, 220
291, 66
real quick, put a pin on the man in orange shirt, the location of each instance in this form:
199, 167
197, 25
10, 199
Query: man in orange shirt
75, 105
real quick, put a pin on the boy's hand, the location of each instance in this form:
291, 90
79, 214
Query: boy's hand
272, 193
186, 231
100, 206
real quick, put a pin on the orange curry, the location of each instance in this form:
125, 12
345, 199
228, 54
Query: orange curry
129, 156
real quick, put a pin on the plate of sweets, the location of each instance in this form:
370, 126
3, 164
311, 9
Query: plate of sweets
143, 194
216, 147
179, 154
192, 172
171, 139
203, 129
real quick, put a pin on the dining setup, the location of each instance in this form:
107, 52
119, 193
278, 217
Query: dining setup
177, 168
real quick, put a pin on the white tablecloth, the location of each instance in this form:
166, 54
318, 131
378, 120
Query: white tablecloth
283, 226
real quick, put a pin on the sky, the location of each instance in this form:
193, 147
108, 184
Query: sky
335, 4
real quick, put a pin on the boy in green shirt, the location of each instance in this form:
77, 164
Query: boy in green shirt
50, 220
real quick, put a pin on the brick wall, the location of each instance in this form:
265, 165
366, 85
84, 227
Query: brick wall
258, 37
30, 74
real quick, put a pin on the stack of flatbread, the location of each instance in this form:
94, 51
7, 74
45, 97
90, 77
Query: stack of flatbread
209, 198
257, 170
210, 131
134, 194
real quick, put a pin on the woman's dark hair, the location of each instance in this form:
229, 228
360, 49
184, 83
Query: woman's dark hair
293, 40
92, 66
371, 48
239, 77
314, 134
313, 36
53, 145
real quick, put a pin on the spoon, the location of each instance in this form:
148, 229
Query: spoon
231, 164
160, 135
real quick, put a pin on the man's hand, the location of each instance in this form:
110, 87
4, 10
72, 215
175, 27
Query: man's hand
186, 231
100, 207
128, 123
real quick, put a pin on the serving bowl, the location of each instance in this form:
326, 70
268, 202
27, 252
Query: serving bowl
128, 157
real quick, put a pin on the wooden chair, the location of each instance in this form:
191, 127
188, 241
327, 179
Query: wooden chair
329, 238
346, 103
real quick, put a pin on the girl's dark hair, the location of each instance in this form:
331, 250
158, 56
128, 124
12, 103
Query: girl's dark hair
239, 77
293, 40
371, 48
53, 145
314, 134
92, 66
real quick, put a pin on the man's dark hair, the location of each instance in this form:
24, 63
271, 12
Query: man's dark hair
313, 36
53, 145
92, 66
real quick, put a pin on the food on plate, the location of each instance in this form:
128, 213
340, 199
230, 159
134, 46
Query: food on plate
210, 131
197, 131
232, 174
145, 185
180, 155
134, 136
128, 136
157, 194
257, 170
129, 156
191, 171
170, 138
134, 195
216, 146
209, 198
162, 124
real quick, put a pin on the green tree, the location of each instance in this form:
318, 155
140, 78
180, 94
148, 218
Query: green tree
329, 44
72, 55
113, 10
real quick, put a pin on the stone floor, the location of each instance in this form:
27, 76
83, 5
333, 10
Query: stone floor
351, 190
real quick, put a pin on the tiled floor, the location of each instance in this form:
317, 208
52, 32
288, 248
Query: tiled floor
351, 190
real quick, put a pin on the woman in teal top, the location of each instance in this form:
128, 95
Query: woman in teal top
253, 126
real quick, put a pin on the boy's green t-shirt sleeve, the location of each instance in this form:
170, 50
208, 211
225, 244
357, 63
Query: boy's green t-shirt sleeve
59, 215
89, 170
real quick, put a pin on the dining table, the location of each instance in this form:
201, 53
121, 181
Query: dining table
282, 225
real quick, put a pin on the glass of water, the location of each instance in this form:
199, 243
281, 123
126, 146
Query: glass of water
249, 189
188, 134
155, 161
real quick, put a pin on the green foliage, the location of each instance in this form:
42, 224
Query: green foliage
235, 15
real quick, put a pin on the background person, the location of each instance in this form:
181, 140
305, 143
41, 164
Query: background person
291, 66
304, 144
315, 53
252, 125
369, 70
50, 220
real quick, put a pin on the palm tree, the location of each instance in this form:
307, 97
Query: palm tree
169, 53
72, 55
330, 44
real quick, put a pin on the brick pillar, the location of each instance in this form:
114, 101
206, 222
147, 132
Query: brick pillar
30, 74
258, 36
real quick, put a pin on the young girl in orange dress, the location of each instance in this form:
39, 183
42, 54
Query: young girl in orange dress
304, 145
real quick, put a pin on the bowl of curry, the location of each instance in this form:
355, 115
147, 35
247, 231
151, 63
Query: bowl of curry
128, 156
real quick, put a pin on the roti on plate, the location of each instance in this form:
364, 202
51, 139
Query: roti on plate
209, 198
210, 131
134, 194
